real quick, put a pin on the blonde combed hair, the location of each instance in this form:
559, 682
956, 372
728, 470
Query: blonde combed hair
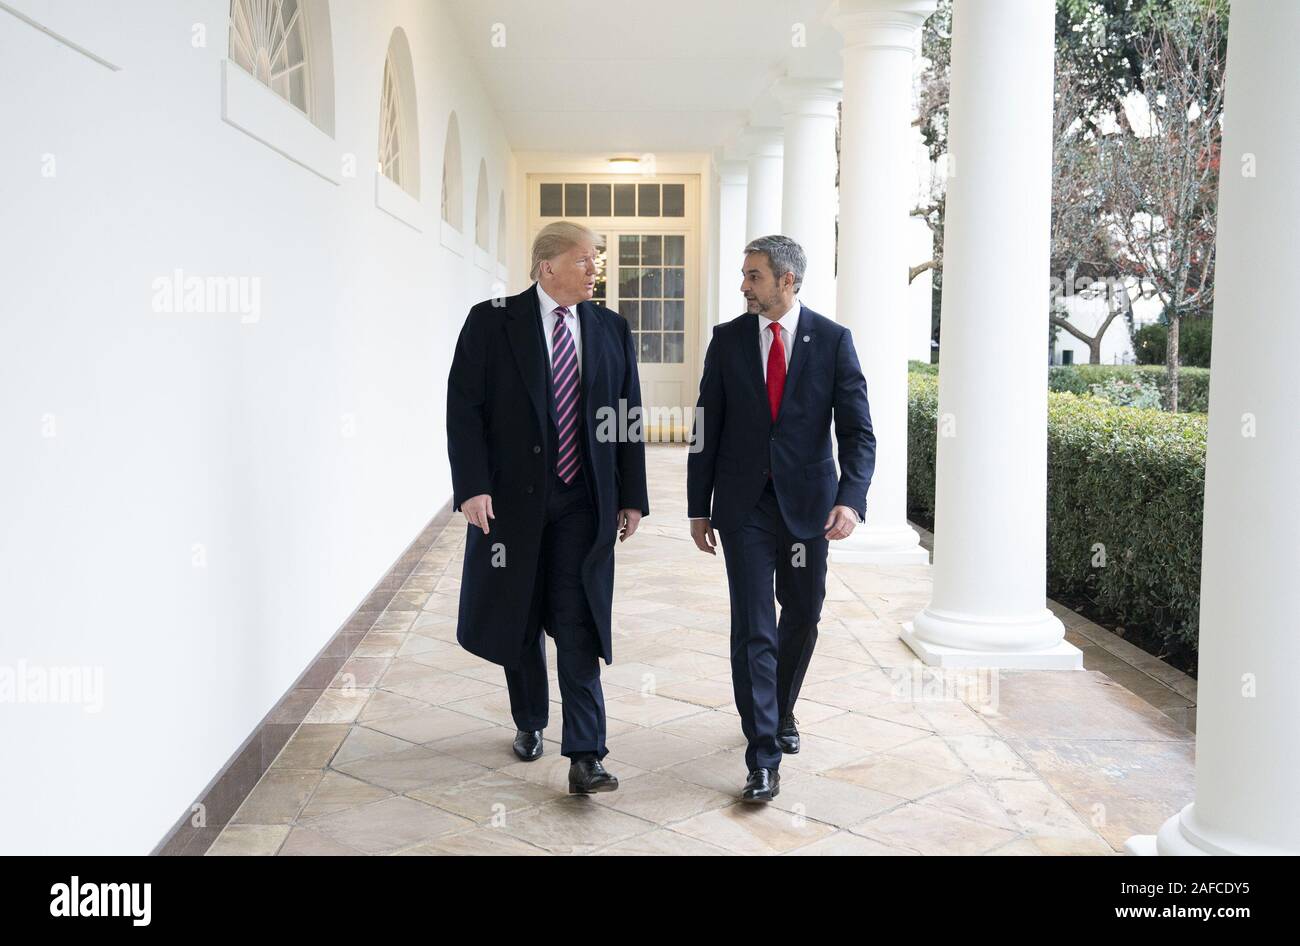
554, 238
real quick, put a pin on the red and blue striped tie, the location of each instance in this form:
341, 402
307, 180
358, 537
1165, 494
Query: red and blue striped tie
564, 370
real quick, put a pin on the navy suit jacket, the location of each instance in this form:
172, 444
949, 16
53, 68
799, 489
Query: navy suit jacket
735, 443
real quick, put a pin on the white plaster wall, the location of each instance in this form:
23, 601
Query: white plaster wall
177, 430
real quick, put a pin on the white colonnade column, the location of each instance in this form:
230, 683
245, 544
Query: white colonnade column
764, 148
876, 185
1247, 763
808, 110
988, 605
732, 185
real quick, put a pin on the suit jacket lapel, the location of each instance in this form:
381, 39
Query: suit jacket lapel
530, 351
798, 356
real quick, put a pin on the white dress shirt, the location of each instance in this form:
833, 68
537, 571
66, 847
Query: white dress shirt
789, 323
549, 306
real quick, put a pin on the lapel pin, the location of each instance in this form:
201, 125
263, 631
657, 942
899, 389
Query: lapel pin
807, 338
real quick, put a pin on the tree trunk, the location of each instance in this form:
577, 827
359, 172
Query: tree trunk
1171, 358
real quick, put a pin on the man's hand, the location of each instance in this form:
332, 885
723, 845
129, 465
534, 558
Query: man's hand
478, 510
702, 533
628, 519
840, 523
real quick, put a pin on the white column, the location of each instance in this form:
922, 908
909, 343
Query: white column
733, 177
988, 606
808, 196
871, 295
763, 198
1247, 763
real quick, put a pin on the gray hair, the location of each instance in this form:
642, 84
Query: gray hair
556, 238
783, 255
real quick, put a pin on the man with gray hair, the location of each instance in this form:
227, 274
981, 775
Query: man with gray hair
543, 496
761, 472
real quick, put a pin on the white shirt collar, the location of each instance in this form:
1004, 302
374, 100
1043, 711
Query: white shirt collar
789, 321
549, 305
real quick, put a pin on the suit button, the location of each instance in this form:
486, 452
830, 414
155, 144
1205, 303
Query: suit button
765, 472
528, 489
537, 449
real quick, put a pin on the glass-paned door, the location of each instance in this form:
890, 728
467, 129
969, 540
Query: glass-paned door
652, 294
647, 272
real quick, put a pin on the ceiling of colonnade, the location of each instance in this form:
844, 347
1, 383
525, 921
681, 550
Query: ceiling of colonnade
636, 76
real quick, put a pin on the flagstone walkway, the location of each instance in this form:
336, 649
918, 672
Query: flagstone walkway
409, 751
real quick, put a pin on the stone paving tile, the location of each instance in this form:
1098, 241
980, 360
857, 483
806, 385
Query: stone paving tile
386, 826
243, 840
574, 825
754, 829
278, 796
408, 753
927, 830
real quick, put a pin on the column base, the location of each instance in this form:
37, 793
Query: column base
1060, 656
875, 546
1141, 845
1169, 841
1179, 837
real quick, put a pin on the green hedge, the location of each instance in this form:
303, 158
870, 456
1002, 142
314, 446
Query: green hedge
1193, 383
1130, 479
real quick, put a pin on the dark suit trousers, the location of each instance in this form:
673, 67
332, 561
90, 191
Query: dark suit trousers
566, 615
769, 660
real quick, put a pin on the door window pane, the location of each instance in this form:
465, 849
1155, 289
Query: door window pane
600, 200
651, 315
651, 352
602, 266
629, 250
674, 202
624, 200
674, 315
575, 200
651, 283
652, 250
674, 283
629, 282
552, 200
647, 200
630, 311
674, 352
674, 250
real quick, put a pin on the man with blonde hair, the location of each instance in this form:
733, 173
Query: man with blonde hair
544, 490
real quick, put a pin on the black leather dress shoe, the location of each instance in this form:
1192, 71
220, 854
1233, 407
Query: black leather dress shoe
528, 745
588, 776
762, 786
787, 734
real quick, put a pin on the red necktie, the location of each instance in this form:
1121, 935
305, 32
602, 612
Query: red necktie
775, 370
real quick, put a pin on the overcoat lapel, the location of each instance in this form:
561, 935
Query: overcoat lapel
592, 349
529, 350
